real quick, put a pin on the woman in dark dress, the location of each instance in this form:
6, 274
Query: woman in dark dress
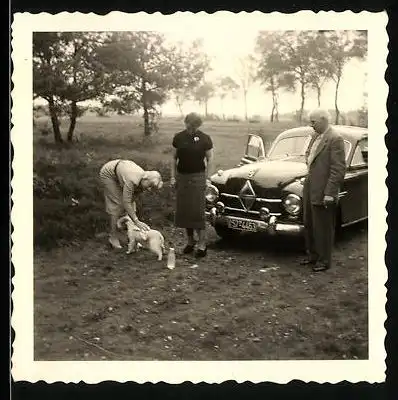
191, 169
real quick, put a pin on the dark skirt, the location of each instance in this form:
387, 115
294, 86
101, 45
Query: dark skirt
191, 201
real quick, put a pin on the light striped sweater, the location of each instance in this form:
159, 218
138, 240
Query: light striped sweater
129, 175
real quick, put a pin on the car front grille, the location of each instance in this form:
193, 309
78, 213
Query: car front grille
234, 186
233, 205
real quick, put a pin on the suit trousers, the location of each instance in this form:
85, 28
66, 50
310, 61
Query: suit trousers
320, 223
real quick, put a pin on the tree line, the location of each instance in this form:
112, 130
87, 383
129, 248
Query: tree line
129, 72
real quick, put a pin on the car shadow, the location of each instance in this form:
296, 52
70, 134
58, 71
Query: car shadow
247, 242
353, 232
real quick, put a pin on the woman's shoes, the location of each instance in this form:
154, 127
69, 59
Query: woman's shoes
201, 253
188, 249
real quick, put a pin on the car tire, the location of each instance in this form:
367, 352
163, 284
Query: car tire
226, 233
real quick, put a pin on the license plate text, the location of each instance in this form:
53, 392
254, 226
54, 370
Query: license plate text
242, 225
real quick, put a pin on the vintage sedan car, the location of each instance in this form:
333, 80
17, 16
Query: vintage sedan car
264, 192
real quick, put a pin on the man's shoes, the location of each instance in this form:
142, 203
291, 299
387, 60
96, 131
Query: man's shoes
188, 249
201, 253
307, 261
318, 267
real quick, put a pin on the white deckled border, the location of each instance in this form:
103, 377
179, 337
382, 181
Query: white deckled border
24, 366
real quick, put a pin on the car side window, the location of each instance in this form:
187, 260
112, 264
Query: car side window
360, 156
255, 147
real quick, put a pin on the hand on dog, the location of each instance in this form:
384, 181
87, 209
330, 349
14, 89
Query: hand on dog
142, 225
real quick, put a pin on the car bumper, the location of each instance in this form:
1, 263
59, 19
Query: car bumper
271, 226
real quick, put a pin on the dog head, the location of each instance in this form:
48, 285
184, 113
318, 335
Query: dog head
134, 230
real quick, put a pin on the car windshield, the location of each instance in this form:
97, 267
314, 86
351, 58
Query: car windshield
290, 146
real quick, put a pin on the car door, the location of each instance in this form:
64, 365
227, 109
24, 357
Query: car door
254, 150
354, 200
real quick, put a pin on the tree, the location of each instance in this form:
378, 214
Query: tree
319, 71
246, 74
143, 69
341, 47
296, 50
67, 71
226, 86
47, 75
363, 111
203, 94
192, 65
271, 68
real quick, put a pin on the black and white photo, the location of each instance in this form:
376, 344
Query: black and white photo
195, 197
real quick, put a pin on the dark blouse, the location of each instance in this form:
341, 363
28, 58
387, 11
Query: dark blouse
191, 151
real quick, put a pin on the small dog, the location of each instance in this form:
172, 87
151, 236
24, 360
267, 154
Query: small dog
152, 239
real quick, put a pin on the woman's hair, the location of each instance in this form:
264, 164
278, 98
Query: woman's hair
193, 119
155, 178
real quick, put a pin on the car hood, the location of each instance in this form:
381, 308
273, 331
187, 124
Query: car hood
266, 174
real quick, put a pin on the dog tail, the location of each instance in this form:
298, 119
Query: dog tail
122, 220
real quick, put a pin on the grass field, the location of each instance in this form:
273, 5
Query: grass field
246, 300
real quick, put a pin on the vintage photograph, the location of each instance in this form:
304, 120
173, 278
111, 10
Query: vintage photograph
200, 196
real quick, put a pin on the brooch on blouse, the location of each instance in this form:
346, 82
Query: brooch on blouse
196, 139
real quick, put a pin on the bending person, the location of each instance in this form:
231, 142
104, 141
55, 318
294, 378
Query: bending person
122, 181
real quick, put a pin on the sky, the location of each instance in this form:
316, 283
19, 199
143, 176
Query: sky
228, 45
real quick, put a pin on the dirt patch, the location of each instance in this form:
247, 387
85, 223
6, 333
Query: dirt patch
247, 300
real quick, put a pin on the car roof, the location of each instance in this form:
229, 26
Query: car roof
352, 133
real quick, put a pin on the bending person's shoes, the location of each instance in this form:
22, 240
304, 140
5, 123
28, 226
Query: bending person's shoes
114, 242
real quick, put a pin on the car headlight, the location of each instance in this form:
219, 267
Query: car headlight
292, 204
211, 193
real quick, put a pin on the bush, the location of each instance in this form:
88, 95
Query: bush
212, 117
68, 198
42, 126
304, 118
255, 119
40, 110
363, 117
234, 118
68, 203
101, 111
59, 220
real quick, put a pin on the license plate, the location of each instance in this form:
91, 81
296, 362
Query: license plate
242, 225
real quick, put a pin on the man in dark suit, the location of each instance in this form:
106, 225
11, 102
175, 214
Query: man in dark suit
326, 169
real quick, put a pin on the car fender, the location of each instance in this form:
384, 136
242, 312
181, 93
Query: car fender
295, 187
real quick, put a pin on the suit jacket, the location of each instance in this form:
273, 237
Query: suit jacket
327, 169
